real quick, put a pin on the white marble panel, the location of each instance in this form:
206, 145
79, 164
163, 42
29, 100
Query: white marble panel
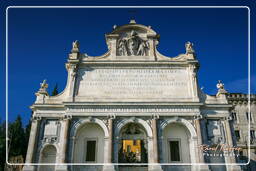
51, 128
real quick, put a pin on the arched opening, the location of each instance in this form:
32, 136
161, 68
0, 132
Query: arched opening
133, 145
48, 155
89, 144
176, 144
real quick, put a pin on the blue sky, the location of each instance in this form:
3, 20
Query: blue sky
40, 40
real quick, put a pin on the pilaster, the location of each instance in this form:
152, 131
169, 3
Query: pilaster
155, 146
32, 138
64, 137
200, 142
32, 143
229, 142
72, 72
108, 157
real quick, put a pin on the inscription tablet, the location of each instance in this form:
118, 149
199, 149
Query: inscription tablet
133, 83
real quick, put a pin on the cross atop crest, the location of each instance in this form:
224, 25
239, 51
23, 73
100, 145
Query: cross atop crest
132, 13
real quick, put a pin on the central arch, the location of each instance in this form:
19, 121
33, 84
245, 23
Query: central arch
145, 125
129, 131
133, 144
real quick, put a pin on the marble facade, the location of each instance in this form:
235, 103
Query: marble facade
132, 83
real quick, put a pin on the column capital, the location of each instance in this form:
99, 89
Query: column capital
155, 116
66, 117
112, 116
226, 118
198, 117
36, 118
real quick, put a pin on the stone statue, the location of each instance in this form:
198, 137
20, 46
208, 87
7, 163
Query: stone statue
143, 47
75, 46
43, 86
220, 85
189, 48
221, 89
121, 48
43, 89
132, 43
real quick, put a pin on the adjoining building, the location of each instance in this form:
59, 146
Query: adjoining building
244, 133
132, 106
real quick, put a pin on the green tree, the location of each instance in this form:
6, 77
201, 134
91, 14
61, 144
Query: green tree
2, 144
55, 90
17, 138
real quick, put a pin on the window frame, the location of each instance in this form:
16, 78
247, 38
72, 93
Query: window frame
169, 150
85, 149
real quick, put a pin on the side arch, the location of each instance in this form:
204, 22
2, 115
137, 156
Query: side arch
81, 122
77, 126
192, 139
182, 121
48, 154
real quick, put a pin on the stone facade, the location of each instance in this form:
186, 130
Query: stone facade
132, 92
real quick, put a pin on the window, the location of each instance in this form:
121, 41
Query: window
234, 117
247, 116
237, 134
252, 134
174, 151
90, 151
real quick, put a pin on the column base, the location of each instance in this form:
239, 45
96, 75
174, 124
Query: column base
233, 168
203, 168
29, 168
108, 168
61, 168
155, 168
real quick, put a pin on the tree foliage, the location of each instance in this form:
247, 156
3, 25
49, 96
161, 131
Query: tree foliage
2, 145
18, 137
55, 90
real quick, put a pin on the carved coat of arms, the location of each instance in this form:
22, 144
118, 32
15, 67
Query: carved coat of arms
132, 45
